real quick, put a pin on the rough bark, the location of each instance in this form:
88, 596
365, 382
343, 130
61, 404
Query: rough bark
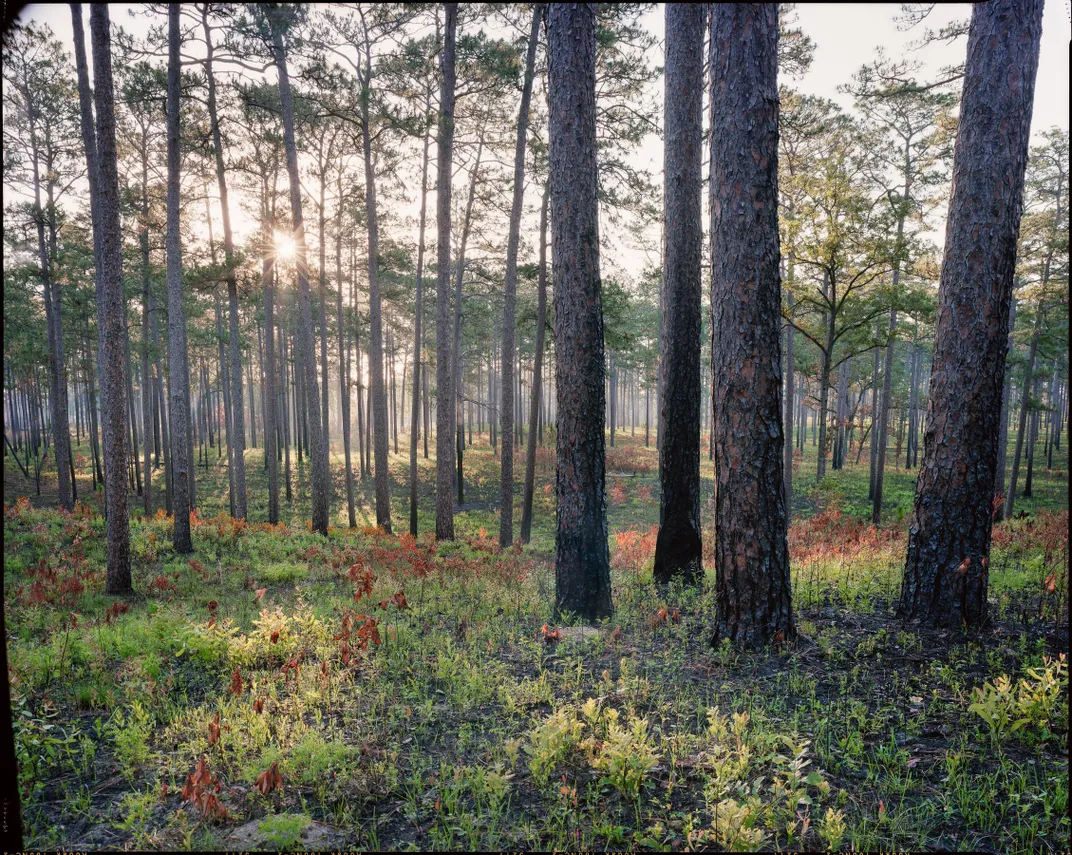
444, 352
679, 547
946, 570
582, 561
752, 583
320, 479
506, 414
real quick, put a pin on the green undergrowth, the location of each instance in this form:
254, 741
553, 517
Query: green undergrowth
408, 696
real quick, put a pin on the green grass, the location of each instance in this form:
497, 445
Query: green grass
462, 728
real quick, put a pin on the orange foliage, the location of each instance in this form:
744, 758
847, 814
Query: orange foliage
634, 549
201, 789
831, 535
269, 779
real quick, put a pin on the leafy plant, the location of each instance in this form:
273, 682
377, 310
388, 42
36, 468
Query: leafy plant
734, 824
626, 756
550, 742
832, 829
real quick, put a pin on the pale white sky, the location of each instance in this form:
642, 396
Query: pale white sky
846, 36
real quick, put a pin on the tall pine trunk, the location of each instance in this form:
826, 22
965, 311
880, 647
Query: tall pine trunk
418, 331
1025, 401
376, 380
444, 351
111, 305
537, 373
236, 428
946, 571
679, 546
582, 560
344, 374
506, 415
178, 364
319, 477
752, 585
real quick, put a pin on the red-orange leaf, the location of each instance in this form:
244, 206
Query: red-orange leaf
269, 779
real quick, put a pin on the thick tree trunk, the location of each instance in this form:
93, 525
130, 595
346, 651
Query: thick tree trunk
537, 373
752, 584
444, 351
506, 415
679, 547
320, 479
582, 560
946, 570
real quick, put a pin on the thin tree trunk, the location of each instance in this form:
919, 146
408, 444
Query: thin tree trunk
344, 365
537, 372
224, 374
679, 547
320, 479
57, 374
789, 413
232, 379
418, 332
104, 185
1029, 370
444, 354
269, 402
506, 414
379, 398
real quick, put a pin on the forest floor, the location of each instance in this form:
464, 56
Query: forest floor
243, 699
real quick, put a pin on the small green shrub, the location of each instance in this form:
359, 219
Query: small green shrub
284, 830
550, 742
